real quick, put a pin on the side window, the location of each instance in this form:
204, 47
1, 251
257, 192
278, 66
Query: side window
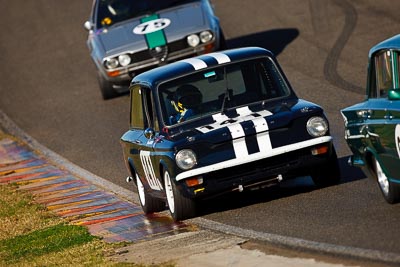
150, 118
142, 112
386, 73
137, 111
396, 69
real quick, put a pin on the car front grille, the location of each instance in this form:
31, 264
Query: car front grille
153, 53
273, 166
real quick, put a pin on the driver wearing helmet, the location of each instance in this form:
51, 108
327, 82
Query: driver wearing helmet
118, 10
186, 99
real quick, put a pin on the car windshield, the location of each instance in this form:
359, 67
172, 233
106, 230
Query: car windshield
110, 12
216, 90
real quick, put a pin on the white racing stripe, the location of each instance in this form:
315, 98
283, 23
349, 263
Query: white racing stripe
238, 135
151, 178
220, 120
263, 138
220, 57
197, 64
237, 131
245, 112
239, 143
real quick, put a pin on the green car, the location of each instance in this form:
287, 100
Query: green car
372, 127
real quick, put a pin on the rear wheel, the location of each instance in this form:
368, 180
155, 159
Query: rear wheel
180, 207
390, 190
149, 204
327, 174
106, 88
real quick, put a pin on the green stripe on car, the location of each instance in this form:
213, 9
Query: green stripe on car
156, 38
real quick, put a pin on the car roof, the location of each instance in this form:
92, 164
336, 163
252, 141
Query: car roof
391, 43
190, 65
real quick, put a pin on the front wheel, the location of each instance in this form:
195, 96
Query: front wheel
390, 190
180, 207
149, 204
327, 174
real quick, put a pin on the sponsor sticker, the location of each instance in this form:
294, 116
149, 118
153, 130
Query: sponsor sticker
152, 26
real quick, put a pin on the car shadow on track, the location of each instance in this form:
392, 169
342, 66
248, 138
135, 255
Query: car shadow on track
285, 189
273, 40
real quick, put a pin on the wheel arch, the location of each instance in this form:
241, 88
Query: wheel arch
132, 169
162, 167
370, 165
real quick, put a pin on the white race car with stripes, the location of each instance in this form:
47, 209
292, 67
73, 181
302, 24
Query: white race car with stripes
128, 37
221, 122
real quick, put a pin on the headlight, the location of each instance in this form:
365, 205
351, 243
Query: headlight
317, 126
124, 60
193, 40
206, 36
111, 63
186, 159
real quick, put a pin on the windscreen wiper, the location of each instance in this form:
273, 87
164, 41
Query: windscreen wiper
226, 95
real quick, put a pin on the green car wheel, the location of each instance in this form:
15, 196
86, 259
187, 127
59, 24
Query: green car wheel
390, 190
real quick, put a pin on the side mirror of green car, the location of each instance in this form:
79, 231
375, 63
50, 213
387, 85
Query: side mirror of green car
394, 94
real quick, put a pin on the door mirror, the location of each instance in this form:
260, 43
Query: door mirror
394, 94
88, 26
149, 133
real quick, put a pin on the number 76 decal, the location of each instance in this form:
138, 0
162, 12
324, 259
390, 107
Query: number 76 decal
151, 26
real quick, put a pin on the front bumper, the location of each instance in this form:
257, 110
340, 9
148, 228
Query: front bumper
261, 173
148, 59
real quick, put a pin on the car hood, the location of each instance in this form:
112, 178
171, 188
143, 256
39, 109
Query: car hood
252, 134
285, 122
184, 19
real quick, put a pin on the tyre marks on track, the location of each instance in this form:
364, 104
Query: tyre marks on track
78, 201
319, 16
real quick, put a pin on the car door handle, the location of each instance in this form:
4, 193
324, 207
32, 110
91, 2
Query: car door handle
137, 141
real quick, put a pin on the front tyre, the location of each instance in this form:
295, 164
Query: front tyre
327, 174
149, 204
390, 190
180, 207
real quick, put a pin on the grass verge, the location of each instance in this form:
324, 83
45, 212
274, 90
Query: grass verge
30, 235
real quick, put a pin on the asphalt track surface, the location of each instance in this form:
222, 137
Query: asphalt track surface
49, 89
